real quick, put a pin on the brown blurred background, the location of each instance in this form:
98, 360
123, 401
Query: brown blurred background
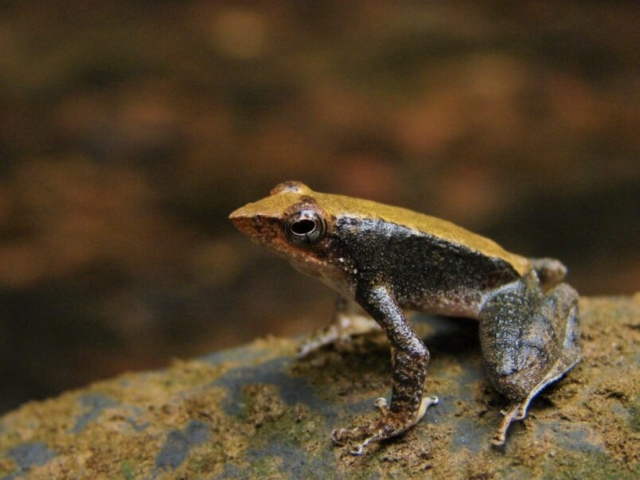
130, 129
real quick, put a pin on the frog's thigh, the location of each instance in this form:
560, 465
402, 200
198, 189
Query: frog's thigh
562, 304
528, 340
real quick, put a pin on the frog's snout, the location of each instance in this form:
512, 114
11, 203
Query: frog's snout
236, 214
253, 224
242, 220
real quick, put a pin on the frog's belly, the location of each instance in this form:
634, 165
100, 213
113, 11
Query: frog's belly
452, 304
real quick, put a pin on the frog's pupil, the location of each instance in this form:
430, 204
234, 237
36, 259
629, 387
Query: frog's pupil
303, 227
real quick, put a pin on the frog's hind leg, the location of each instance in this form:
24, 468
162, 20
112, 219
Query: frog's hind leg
529, 340
349, 320
518, 410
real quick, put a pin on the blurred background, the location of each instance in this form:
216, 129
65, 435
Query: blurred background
129, 130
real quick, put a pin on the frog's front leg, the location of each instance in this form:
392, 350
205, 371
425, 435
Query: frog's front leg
409, 358
528, 341
349, 321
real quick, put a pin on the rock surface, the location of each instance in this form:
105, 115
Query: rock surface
257, 412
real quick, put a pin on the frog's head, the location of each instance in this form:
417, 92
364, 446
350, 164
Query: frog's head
292, 222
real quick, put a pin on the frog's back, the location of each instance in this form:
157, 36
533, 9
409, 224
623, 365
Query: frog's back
430, 227
423, 271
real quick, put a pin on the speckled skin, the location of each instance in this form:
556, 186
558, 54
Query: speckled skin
388, 259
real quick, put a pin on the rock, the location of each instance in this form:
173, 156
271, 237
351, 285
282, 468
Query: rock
257, 412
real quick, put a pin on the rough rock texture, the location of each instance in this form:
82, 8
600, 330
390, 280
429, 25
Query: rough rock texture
256, 412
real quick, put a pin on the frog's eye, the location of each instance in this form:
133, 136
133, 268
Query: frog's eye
305, 228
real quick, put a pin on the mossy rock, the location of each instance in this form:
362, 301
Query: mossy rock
257, 412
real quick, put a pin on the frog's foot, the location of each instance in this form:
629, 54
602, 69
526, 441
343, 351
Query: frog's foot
518, 411
529, 339
390, 425
342, 331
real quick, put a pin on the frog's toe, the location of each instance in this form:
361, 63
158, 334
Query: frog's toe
382, 404
424, 405
344, 436
358, 450
340, 436
516, 411
317, 340
340, 333
521, 412
358, 438
390, 425
426, 402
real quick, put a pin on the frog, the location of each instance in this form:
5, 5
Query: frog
389, 261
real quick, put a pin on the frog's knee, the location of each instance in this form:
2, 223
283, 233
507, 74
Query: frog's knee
564, 295
565, 300
550, 271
